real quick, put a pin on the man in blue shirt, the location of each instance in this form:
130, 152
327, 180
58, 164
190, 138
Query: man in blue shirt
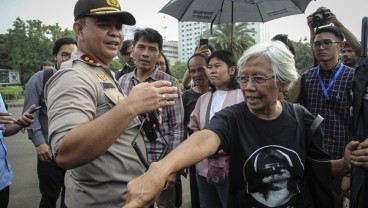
8, 127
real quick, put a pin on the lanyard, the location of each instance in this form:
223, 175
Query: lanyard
325, 91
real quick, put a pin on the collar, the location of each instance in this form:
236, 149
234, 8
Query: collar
90, 60
333, 70
153, 76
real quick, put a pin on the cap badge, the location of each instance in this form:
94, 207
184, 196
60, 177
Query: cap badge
113, 3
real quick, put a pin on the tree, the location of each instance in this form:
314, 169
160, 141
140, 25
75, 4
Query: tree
116, 64
303, 56
221, 37
28, 44
178, 70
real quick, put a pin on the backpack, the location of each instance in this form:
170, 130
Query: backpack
47, 73
317, 173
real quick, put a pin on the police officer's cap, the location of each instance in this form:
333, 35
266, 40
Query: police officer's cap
85, 8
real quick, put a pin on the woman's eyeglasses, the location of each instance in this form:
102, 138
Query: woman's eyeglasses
255, 79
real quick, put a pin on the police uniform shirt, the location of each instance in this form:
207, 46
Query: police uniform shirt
78, 93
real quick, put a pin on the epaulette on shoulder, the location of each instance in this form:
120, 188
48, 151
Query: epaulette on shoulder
89, 60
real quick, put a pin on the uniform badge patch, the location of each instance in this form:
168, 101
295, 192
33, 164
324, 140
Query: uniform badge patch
102, 76
120, 98
87, 59
108, 85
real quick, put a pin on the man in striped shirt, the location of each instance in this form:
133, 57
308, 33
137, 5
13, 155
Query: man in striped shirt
147, 46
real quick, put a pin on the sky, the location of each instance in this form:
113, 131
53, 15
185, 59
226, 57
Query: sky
50, 12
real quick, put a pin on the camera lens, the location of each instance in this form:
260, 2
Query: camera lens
317, 19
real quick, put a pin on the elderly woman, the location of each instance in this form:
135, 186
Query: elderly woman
261, 135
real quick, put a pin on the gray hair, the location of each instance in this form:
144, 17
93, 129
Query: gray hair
281, 59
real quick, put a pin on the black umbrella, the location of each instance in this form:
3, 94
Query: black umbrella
231, 11
359, 176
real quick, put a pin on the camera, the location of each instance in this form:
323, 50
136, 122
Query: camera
150, 124
319, 16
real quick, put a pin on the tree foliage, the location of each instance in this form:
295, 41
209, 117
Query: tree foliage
116, 64
178, 70
303, 56
25, 46
221, 37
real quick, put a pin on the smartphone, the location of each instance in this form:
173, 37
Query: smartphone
203, 42
35, 109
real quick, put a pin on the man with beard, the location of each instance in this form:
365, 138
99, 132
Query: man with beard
126, 55
348, 56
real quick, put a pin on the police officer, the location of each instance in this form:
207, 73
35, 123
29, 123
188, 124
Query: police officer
91, 123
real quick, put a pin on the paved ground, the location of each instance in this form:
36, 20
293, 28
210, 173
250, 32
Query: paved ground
24, 190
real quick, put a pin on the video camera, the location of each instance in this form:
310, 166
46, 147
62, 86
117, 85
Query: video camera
319, 16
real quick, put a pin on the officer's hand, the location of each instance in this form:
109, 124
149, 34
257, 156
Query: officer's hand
146, 97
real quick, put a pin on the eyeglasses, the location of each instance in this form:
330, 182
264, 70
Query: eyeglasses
325, 44
255, 79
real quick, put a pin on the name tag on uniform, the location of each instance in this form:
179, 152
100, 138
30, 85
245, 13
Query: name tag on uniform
108, 85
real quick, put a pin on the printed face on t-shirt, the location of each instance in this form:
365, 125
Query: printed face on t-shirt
270, 174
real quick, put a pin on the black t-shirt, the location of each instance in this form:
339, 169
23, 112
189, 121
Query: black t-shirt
190, 98
267, 158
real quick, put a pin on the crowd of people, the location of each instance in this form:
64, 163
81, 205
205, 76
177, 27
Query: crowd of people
251, 132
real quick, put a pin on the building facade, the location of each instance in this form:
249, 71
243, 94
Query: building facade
190, 32
170, 49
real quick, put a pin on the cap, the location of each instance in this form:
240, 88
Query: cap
85, 8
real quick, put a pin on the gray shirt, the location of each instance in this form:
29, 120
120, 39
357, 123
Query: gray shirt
38, 130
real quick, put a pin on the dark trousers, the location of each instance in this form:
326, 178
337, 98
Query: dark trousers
51, 180
338, 194
4, 197
178, 192
194, 195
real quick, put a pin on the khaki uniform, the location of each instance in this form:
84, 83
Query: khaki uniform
293, 94
77, 94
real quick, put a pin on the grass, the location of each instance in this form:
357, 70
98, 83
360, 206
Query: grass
15, 103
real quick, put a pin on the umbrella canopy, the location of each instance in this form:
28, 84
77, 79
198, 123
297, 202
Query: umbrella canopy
230, 11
